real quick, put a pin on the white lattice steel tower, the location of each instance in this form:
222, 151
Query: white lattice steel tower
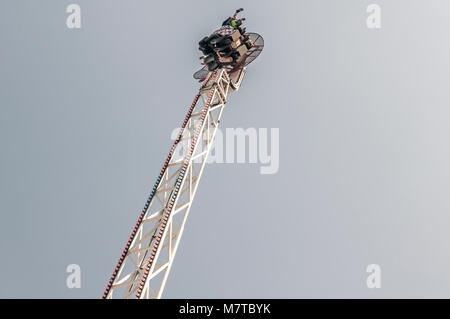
147, 258
145, 263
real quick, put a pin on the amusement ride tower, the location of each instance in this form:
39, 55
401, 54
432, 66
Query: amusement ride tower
145, 263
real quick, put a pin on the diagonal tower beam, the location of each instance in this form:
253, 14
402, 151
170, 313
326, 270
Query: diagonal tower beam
145, 263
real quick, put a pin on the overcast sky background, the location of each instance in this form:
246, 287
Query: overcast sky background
85, 123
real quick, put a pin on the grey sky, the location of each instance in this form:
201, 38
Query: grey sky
85, 123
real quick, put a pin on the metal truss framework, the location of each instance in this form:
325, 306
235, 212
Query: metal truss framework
145, 264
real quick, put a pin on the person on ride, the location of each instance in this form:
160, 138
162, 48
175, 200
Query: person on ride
233, 21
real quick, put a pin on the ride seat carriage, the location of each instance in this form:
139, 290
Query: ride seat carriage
227, 45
